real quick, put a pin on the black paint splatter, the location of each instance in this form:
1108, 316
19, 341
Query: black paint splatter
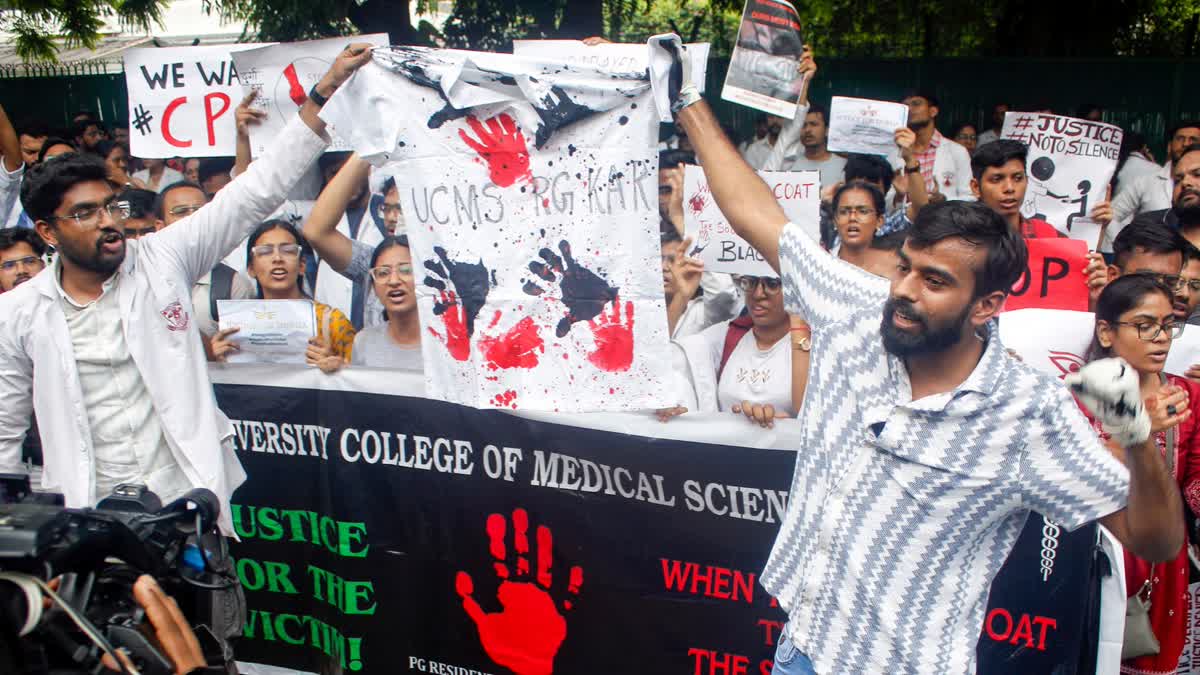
584, 293
557, 110
623, 120
571, 150
471, 281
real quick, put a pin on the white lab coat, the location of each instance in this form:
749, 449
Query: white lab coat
952, 170
37, 364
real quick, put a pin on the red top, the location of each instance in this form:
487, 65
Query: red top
1033, 228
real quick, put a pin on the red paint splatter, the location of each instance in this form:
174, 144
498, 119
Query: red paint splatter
502, 146
457, 340
546, 203
614, 340
295, 89
506, 400
697, 203
518, 348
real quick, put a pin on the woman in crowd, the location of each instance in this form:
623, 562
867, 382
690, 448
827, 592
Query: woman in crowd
858, 211
117, 163
275, 258
396, 343
1134, 321
966, 135
157, 175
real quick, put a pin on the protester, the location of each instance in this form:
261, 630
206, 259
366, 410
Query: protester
88, 133
275, 258
945, 165
116, 160
1134, 159
213, 174
1189, 277
1153, 192
858, 210
32, 134
54, 147
814, 137
12, 169
1150, 247
887, 409
390, 213
757, 152
910, 195
883, 257
966, 135
120, 134
1184, 211
191, 170
671, 165
1135, 321
140, 218
396, 343
993, 133
760, 132
157, 175
696, 299
22, 257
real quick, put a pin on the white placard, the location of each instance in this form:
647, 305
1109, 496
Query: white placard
182, 100
713, 239
269, 331
763, 71
609, 57
865, 126
1070, 164
1185, 352
282, 74
1054, 341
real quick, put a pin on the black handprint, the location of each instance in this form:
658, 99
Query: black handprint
584, 293
471, 281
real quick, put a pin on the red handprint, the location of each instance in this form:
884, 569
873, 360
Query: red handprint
502, 146
296, 91
524, 636
454, 318
614, 341
518, 348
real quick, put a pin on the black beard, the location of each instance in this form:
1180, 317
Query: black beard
929, 340
917, 126
93, 260
1188, 215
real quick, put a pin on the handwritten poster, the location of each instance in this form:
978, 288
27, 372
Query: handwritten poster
282, 74
713, 239
865, 126
1069, 166
1054, 278
529, 192
182, 100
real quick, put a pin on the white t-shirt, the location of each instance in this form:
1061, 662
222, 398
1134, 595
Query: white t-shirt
757, 375
169, 177
833, 170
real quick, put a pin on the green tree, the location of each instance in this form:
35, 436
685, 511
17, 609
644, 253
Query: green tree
35, 23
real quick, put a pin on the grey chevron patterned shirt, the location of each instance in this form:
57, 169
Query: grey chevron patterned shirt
901, 512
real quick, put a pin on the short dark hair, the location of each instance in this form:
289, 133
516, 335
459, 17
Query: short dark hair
211, 166
161, 202
669, 235
1148, 234
46, 183
926, 94
1118, 297
996, 154
51, 142
818, 109
1181, 124
890, 242
278, 224
11, 236
80, 128
861, 185
671, 158
978, 225
959, 126
104, 148
332, 159
389, 185
33, 128
1190, 252
391, 241
141, 202
869, 168
1194, 147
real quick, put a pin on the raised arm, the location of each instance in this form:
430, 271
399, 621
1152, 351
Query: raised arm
10, 147
788, 143
320, 229
16, 388
245, 116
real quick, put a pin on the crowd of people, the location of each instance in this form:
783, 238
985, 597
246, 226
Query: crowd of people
880, 338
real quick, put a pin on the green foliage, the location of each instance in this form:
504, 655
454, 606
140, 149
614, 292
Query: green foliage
36, 23
693, 20
286, 20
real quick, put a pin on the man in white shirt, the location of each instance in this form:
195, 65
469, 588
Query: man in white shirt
756, 153
157, 175
945, 165
12, 168
123, 392
1152, 192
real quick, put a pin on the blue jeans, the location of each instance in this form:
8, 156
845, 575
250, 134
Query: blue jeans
789, 660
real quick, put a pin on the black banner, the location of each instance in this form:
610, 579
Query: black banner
397, 534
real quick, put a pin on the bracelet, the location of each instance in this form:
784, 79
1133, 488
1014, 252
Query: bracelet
317, 97
912, 169
803, 344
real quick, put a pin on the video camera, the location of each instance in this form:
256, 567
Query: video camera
97, 554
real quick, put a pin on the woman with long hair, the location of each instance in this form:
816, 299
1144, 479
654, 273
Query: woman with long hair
396, 343
1135, 321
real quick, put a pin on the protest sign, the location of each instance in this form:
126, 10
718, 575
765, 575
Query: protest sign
182, 100
1185, 352
713, 239
528, 190
1054, 278
609, 57
408, 509
1051, 340
763, 68
282, 74
1070, 164
865, 126
269, 331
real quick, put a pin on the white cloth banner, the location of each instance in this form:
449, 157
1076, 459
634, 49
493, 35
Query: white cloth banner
282, 74
529, 192
1070, 164
182, 100
269, 331
865, 126
610, 57
720, 248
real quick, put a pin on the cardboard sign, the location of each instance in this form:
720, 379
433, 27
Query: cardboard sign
1052, 341
182, 100
762, 70
1054, 278
865, 126
282, 74
713, 239
1070, 164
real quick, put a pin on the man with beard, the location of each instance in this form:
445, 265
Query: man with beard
925, 446
1154, 192
21, 257
814, 137
945, 165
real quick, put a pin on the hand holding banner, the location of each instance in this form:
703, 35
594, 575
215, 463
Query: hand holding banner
1054, 278
865, 126
764, 69
269, 331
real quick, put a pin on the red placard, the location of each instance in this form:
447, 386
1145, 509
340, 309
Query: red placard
1054, 279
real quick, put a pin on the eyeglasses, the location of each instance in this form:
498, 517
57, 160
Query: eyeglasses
384, 272
386, 210
864, 211
1150, 331
966, 137
136, 232
770, 285
27, 261
264, 250
90, 217
186, 209
1192, 284
1171, 281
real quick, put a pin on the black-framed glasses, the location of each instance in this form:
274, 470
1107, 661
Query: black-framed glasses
1149, 331
27, 261
846, 211
770, 285
386, 210
90, 216
384, 272
1192, 284
287, 250
186, 209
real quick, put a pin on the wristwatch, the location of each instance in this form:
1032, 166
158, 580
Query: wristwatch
912, 169
317, 97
